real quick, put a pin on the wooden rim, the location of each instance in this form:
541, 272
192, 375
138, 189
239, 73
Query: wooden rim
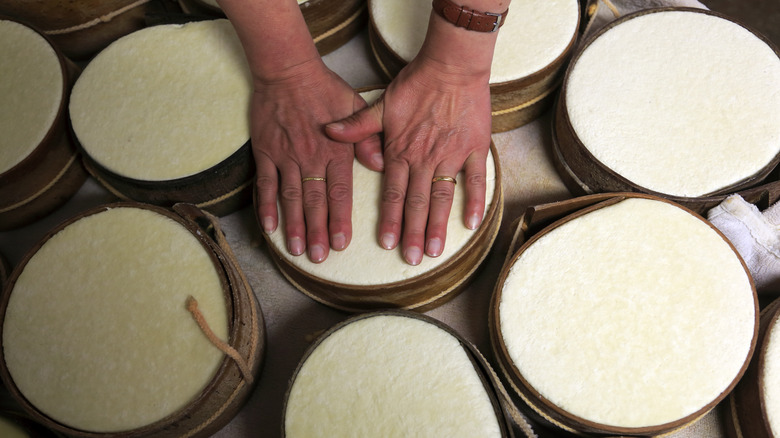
47, 177
424, 291
748, 416
221, 189
211, 409
544, 409
481, 366
514, 103
583, 172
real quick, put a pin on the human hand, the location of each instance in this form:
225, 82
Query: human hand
290, 148
436, 122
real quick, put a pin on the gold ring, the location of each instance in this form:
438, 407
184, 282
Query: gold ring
443, 178
312, 178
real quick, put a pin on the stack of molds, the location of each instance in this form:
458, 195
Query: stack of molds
81, 28
680, 103
631, 316
40, 167
530, 56
754, 409
366, 276
331, 22
392, 374
131, 320
162, 116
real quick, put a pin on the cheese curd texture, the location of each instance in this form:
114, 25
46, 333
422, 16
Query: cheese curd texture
636, 314
32, 89
165, 102
678, 102
96, 334
535, 33
389, 376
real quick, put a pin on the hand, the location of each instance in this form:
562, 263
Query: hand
288, 142
436, 122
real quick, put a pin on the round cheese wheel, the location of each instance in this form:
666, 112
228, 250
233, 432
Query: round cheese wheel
165, 102
96, 335
676, 102
390, 375
536, 33
33, 90
635, 316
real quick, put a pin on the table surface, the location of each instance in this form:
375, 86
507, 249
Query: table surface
292, 319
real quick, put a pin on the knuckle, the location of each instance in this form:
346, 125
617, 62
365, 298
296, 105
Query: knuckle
290, 194
477, 179
314, 199
338, 192
441, 194
393, 195
417, 202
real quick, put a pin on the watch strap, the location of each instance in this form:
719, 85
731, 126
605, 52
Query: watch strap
467, 18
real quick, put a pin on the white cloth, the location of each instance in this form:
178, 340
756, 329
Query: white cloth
755, 235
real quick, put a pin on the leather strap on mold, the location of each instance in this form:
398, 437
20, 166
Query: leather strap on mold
192, 307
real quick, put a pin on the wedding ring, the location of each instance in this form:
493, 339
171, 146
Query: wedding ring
443, 178
312, 178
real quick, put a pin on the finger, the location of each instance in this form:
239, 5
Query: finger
369, 153
315, 213
392, 205
475, 170
416, 214
359, 126
442, 194
291, 198
340, 203
267, 188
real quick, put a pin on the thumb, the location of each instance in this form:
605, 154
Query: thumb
359, 126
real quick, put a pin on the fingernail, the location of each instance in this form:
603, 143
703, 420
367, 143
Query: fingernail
336, 126
388, 241
316, 253
339, 241
268, 225
473, 222
295, 246
434, 247
378, 160
413, 255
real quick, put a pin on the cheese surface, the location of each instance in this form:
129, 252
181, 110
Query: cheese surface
771, 378
637, 314
364, 261
534, 35
678, 102
32, 88
165, 102
96, 334
389, 376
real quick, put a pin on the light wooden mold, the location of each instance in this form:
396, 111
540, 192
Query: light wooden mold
162, 116
81, 28
393, 374
392, 283
150, 331
40, 167
622, 314
646, 107
752, 406
331, 22
532, 51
